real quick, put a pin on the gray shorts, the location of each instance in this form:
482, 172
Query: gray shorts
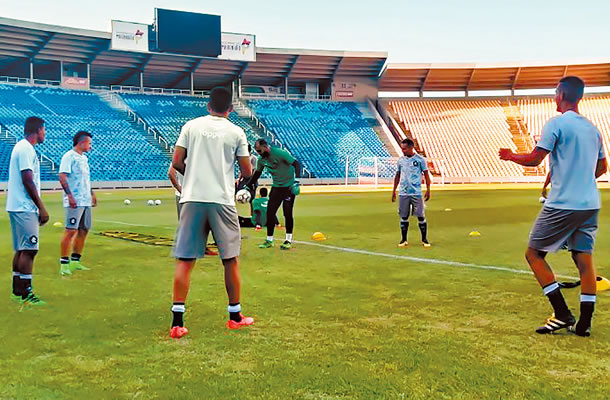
78, 218
24, 228
411, 205
196, 222
554, 227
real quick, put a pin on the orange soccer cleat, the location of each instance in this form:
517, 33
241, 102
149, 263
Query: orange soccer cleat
245, 321
178, 331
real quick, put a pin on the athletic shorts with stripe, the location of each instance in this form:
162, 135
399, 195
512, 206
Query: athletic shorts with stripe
554, 227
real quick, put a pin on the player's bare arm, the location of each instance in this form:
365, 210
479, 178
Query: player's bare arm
179, 158
602, 167
547, 182
532, 159
63, 181
396, 182
428, 183
28, 182
171, 174
297, 169
93, 199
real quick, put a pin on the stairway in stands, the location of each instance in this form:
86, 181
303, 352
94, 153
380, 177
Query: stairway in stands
520, 134
116, 102
48, 170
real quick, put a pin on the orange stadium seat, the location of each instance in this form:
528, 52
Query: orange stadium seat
464, 134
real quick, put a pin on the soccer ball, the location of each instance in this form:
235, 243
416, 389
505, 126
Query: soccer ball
157, 202
127, 202
542, 199
151, 203
243, 196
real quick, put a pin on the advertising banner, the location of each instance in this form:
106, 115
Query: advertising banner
129, 36
238, 47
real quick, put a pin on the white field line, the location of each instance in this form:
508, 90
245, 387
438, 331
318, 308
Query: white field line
426, 260
394, 256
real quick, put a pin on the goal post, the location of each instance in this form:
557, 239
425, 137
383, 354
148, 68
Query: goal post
381, 170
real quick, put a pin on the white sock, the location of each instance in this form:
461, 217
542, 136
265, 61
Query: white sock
289, 237
270, 238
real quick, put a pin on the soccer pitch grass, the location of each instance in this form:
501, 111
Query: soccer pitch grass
329, 324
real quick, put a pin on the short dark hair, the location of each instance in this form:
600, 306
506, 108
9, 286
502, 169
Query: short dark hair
572, 88
262, 142
79, 136
264, 192
33, 125
220, 100
408, 142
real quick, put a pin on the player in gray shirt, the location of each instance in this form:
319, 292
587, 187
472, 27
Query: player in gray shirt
411, 169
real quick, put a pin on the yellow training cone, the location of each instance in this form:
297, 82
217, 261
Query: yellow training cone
58, 224
474, 234
318, 237
602, 284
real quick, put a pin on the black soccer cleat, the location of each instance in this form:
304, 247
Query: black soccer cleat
574, 330
554, 324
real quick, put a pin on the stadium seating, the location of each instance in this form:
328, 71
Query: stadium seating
5, 156
462, 135
537, 111
120, 151
167, 114
321, 135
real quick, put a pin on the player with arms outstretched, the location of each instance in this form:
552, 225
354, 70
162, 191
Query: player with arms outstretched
571, 211
411, 169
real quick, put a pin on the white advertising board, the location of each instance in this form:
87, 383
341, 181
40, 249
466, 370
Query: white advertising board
129, 36
238, 47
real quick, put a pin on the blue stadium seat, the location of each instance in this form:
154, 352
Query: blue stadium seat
120, 152
322, 135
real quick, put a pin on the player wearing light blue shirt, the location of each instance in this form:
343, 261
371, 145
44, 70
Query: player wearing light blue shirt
75, 180
411, 169
577, 159
26, 209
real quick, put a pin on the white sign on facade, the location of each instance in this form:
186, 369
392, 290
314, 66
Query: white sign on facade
238, 47
129, 36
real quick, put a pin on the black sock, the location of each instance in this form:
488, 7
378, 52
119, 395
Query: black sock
560, 307
404, 228
64, 260
423, 227
178, 312
235, 312
75, 257
587, 306
26, 285
17, 291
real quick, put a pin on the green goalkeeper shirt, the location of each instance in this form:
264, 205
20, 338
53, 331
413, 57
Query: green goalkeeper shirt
280, 167
260, 204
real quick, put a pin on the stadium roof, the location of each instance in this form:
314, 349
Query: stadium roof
509, 76
21, 41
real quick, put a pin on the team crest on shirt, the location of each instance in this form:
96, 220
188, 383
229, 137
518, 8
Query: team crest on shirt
72, 221
33, 239
415, 163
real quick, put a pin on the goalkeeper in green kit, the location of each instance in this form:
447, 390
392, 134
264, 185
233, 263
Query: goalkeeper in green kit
284, 170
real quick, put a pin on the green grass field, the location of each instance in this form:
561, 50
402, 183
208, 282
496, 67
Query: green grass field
329, 324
